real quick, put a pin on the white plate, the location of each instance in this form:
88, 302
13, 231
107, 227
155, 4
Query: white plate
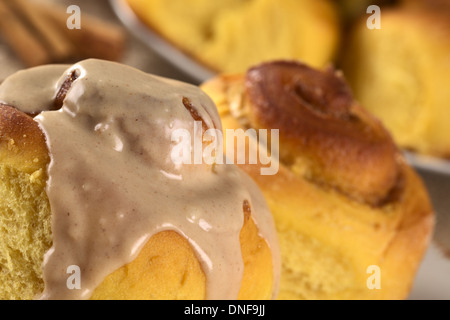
166, 50
426, 163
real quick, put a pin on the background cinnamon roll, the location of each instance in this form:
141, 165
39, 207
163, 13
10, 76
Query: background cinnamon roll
344, 200
400, 73
231, 35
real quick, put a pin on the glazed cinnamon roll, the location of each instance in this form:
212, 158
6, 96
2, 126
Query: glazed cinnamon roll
92, 207
345, 202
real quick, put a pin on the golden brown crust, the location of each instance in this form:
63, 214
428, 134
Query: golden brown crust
22, 143
319, 120
65, 86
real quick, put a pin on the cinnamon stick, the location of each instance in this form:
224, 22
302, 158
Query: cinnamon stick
59, 47
96, 38
20, 38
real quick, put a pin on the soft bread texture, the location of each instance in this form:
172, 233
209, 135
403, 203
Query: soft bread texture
401, 73
332, 227
231, 35
166, 267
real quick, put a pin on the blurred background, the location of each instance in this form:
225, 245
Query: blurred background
132, 51
401, 72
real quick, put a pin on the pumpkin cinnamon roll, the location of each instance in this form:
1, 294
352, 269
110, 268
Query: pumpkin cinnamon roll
353, 218
92, 207
400, 73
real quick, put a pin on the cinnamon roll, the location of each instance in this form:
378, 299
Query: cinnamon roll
231, 35
93, 207
353, 218
400, 73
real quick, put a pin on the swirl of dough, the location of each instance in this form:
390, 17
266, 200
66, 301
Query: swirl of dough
324, 133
